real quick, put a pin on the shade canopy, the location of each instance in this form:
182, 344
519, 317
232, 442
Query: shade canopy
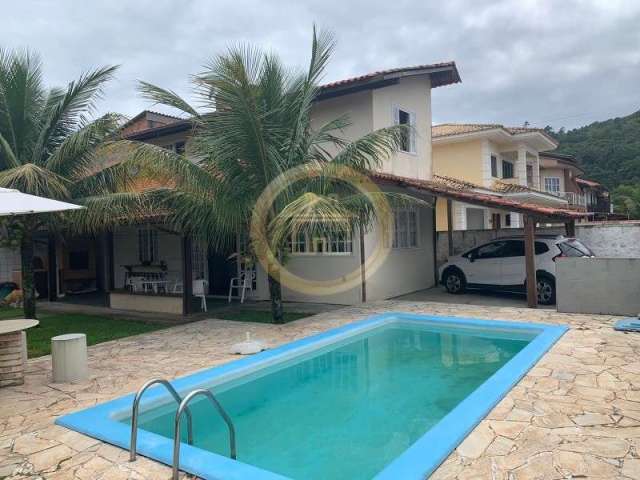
14, 202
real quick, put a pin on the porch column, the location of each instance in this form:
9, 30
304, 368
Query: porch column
187, 276
52, 274
521, 165
570, 228
436, 279
110, 270
363, 273
530, 261
450, 225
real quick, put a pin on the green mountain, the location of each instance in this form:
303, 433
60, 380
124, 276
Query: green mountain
609, 151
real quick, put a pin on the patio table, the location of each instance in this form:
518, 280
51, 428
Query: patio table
12, 358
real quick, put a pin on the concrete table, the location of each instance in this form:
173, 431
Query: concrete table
12, 358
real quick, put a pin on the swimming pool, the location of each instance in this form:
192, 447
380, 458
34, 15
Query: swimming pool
388, 397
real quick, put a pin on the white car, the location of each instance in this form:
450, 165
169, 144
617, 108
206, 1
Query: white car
500, 265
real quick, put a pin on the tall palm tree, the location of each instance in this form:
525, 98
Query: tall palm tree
49, 146
254, 123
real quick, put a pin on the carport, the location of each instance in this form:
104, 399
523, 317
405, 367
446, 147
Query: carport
532, 215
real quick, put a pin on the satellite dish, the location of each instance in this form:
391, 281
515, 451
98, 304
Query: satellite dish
247, 347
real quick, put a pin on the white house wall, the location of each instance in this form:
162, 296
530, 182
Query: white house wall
413, 95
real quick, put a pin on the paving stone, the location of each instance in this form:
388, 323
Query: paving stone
576, 413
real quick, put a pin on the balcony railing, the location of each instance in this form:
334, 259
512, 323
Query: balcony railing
572, 198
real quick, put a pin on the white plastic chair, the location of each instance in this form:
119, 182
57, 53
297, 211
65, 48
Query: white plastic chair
242, 283
136, 283
199, 290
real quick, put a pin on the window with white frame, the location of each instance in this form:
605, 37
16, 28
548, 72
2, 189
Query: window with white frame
337, 243
403, 117
494, 166
552, 185
147, 245
405, 228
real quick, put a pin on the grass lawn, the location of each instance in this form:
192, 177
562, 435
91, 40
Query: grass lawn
257, 316
97, 328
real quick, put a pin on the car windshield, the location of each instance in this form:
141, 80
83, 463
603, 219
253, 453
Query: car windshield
574, 248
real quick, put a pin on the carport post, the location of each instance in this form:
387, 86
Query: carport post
450, 226
530, 261
570, 228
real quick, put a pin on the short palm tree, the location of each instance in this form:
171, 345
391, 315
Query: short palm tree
49, 147
253, 124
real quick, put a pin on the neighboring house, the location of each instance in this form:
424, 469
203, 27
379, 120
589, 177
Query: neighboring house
561, 175
502, 160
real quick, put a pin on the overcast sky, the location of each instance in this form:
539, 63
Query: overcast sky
559, 62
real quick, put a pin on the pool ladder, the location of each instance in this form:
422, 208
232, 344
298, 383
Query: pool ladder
183, 407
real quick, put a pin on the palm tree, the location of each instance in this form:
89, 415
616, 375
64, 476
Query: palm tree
254, 124
49, 146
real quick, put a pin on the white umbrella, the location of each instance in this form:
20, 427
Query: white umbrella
14, 202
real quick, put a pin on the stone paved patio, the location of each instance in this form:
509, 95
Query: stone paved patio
575, 415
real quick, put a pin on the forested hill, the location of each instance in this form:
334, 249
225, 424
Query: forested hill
609, 151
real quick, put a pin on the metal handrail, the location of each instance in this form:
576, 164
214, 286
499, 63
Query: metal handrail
136, 407
176, 438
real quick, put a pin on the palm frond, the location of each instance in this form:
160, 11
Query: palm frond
69, 111
166, 97
30, 178
75, 157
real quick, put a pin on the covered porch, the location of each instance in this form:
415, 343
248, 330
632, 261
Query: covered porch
143, 268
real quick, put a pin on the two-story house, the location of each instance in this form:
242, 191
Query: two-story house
561, 175
490, 158
152, 260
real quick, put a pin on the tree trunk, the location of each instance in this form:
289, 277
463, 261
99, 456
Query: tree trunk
275, 293
26, 259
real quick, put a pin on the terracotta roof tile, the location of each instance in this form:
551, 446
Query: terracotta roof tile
449, 129
475, 198
455, 77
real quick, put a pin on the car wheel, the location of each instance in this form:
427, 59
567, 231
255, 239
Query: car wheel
546, 290
454, 281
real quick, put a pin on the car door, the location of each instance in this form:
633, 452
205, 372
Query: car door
483, 265
513, 267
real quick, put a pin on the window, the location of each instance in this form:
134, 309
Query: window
513, 248
507, 169
298, 243
494, 166
338, 243
147, 245
541, 248
199, 260
552, 185
402, 117
507, 220
529, 175
405, 228
495, 221
490, 250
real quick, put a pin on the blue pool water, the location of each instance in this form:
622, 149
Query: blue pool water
348, 409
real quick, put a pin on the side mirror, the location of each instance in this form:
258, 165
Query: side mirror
471, 257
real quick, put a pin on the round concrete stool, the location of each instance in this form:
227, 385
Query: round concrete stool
69, 358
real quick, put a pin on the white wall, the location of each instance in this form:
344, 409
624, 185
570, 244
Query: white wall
611, 239
598, 285
413, 95
404, 270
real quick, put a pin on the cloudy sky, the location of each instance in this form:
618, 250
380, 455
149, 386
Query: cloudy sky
558, 62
